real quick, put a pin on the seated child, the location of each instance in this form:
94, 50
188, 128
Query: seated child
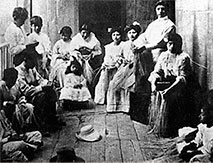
201, 148
75, 90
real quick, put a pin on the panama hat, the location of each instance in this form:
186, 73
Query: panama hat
66, 154
88, 133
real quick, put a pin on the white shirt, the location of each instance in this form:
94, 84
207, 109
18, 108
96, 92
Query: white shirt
155, 32
127, 52
16, 38
204, 138
112, 53
43, 39
91, 43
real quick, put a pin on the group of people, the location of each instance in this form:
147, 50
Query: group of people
44, 78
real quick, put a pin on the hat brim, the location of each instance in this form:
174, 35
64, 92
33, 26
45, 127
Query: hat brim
95, 136
77, 159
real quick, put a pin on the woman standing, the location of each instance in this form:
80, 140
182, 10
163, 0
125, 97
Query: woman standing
16, 36
118, 95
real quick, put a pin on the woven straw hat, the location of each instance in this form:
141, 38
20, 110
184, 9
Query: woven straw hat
88, 133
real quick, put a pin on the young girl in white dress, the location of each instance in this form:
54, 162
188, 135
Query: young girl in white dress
75, 91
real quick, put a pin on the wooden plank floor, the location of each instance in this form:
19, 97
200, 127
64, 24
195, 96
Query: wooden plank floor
123, 140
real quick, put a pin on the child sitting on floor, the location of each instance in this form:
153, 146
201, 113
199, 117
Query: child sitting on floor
75, 91
201, 148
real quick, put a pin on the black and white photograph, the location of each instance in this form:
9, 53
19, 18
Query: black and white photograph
106, 81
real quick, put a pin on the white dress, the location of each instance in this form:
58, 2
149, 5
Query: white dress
92, 43
118, 95
68, 92
58, 66
112, 54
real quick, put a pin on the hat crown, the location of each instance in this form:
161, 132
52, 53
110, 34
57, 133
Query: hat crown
86, 130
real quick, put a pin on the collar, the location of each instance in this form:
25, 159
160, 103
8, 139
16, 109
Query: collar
163, 18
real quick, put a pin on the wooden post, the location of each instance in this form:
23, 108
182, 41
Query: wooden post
31, 11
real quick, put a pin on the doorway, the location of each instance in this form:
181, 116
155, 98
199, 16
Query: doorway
102, 14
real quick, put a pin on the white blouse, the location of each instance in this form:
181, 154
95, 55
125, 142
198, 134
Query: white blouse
16, 37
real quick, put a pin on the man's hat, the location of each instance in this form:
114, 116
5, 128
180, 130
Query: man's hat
66, 154
88, 133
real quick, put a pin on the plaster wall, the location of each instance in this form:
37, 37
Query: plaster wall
194, 20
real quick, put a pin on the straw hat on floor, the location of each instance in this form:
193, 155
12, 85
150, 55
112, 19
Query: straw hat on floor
88, 133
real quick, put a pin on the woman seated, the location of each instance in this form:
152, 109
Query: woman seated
75, 93
61, 56
173, 90
112, 61
118, 95
90, 52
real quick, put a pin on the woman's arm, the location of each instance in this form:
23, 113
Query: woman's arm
184, 70
15, 47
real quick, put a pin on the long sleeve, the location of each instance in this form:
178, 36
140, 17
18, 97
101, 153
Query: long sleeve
183, 67
56, 48
16, 37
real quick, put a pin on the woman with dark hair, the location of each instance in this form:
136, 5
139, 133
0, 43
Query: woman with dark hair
43, 47
118, 95
149, 45
112, 61
61, 56
152, 38
173, 89
90, 50
16, 36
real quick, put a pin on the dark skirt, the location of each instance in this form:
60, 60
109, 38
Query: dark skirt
179, 109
